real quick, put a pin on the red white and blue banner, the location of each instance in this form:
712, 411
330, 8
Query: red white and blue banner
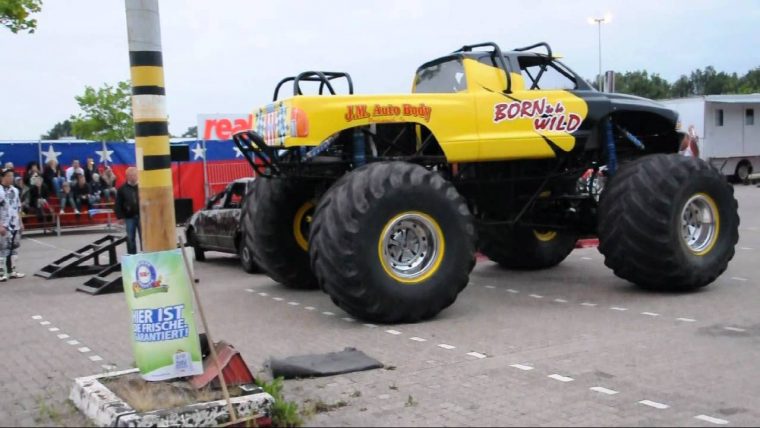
221, 158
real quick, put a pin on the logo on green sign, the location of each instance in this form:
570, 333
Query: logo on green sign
147, 281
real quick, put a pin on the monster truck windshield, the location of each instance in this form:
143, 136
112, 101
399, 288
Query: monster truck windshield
443, 77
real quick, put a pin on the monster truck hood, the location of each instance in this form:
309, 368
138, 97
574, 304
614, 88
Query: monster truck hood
635, 103
309, 120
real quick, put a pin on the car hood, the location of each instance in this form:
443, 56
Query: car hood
633, 102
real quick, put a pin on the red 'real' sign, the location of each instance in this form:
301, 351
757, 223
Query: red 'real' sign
222, 126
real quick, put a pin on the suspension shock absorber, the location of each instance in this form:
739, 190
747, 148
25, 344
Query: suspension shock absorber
360, 155
611, 148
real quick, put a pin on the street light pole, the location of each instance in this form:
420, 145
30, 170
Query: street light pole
599, 21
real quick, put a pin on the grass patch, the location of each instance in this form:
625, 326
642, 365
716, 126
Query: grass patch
284, 413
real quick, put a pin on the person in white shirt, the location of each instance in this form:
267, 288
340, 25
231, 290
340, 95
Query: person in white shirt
10, 226
73, 170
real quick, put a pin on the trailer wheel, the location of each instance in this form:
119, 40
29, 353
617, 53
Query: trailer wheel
392, 242
275, 227
668, 222
743, 171
525, 248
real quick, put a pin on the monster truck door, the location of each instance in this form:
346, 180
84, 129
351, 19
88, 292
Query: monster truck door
537, 119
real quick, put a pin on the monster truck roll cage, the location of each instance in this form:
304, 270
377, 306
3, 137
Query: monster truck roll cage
323, 77
499, 58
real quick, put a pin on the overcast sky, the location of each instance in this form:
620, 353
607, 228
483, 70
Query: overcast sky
225, 56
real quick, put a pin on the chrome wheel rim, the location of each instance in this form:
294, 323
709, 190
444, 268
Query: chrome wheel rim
410, 245
698, 225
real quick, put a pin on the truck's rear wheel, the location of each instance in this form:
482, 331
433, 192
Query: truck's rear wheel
392, 242
524, 247
276, 226
668, 222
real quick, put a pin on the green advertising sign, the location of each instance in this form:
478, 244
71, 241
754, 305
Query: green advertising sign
164, 338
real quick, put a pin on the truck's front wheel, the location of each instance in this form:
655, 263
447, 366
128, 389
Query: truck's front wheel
392, 242
276, 227
668, 222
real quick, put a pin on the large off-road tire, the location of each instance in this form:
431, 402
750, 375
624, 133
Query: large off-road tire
525, 248
392, 242
668, 222
275, 225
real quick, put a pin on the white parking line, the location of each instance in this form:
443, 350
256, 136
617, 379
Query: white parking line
370, 325
711, 419
250, 290
522, 367
618, 308
738, 278
108, 367
36, 317
560, 300
477, 355
686, 319
84, 350
263, 294
561, 378
650, 314
536, 296
279, 299
747, 248
654, 404
348, 319
294, 303
603, 390
63, 336
490, 287
54, 329
44, 322
587, 258
310, 308
393, 332
590, 305
329, 314
513, 291
73, 342
445, 346
738, 330
96, 358
418, 339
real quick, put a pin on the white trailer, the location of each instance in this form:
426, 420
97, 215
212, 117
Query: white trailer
728, 128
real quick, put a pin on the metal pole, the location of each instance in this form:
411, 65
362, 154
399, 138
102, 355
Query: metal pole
152, 152
206, 185
599, 24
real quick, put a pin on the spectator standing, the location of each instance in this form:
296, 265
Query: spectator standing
89, 170
67, 197
82, 193
38, 199
108, 183
10, 226
53, 176
128, 208
31, 168
74, 169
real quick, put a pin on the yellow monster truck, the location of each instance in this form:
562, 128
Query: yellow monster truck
383, 200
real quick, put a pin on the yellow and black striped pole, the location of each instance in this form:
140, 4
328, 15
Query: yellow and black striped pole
151, 127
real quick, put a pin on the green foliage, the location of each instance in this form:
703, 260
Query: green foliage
58, 131
15, 14
192, 132
284, 413
698, 82
106, 113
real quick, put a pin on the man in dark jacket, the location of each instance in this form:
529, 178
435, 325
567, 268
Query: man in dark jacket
128, 208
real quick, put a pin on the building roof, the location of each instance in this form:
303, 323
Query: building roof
721, 99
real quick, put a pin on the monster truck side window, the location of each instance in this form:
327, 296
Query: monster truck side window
554, 75
444, 77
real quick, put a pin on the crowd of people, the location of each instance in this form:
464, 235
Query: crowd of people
76, 187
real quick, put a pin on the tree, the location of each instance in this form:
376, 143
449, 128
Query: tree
750, 82
192, 132
15, 14
642, 84
106, 113
59, 130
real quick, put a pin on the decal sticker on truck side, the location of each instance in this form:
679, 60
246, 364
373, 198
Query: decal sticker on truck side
546, 117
